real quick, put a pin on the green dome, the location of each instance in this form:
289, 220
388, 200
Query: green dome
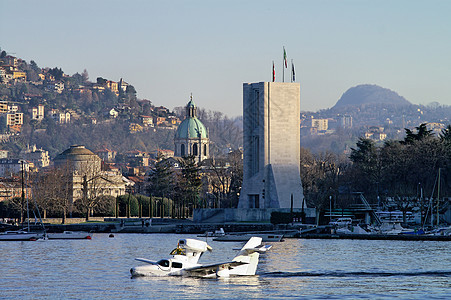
191, 128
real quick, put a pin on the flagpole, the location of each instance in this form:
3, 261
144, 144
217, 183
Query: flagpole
273, 72
292, 70
283, 65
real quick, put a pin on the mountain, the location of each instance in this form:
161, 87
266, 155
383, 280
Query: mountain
370, 94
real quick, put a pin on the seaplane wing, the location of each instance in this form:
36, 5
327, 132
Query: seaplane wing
261, 249
146, 261
220, 269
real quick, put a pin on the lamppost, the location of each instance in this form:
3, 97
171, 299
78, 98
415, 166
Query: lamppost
330, 208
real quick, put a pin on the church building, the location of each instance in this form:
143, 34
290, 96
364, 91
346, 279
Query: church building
191, 137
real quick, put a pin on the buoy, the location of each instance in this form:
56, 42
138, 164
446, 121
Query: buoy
88, 237
111, 235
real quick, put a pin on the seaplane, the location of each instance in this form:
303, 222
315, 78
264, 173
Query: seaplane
184, 261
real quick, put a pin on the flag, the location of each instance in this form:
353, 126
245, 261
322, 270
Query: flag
273, 72
293, 75
285, 57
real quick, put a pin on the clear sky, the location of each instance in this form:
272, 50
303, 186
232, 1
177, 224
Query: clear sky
168, 49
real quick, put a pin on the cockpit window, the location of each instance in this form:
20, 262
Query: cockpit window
177, 265
164, 263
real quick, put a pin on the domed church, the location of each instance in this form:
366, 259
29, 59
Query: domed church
191, 137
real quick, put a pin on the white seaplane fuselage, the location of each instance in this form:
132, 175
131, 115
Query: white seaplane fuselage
184, 261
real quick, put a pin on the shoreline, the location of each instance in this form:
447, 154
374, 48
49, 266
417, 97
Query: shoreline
230, 228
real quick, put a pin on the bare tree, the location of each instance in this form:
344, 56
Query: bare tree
52, 190
94, 185
226, 179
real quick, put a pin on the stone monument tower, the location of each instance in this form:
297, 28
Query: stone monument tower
271, 129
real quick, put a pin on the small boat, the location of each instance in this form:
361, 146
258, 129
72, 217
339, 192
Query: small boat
69, 235
244, 236
216, 233
393, 228
351, 230
20, 235
446, 231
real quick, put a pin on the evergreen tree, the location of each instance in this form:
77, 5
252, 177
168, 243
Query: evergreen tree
446, 134
161, 180
190, 183
367, 165
422, 133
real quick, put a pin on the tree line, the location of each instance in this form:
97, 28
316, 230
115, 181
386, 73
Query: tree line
173, 188
405, 171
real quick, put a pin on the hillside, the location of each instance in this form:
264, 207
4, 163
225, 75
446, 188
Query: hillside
53, 110
370, 94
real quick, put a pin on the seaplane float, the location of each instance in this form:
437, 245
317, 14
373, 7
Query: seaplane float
184, 261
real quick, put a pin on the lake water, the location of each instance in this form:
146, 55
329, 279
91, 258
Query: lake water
296, 268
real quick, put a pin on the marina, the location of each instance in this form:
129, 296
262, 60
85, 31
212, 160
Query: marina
236, 231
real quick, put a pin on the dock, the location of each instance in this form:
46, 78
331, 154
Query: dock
397, 237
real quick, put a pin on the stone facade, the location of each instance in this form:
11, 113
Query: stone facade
82, 164
271, 130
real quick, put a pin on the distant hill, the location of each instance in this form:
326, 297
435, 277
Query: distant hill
370, 94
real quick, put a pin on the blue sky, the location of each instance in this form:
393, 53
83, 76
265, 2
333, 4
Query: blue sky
169, 49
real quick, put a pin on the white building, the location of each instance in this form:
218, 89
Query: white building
320, 124
37, 113
271, 176
9, 166
39, 157
61, 117
346, 121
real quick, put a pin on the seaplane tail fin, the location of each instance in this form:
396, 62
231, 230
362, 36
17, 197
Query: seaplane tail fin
252, 243
248, 255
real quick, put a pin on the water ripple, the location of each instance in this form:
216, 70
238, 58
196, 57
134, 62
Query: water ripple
357, 274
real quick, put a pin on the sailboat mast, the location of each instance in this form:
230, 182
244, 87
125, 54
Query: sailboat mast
22, 198
28, 208
438, 197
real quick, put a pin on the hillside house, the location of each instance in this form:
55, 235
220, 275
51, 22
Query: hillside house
39, 157
158, 121
60, 117
106, 155
112, 113
147, 121
113, 86
135, 127
136, 158
37, 113
13, 166
12, 121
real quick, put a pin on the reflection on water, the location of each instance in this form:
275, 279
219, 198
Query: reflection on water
99, 269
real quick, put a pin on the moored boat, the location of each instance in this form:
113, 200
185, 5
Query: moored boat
20, 235
69, 235
216, 233
244, 236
